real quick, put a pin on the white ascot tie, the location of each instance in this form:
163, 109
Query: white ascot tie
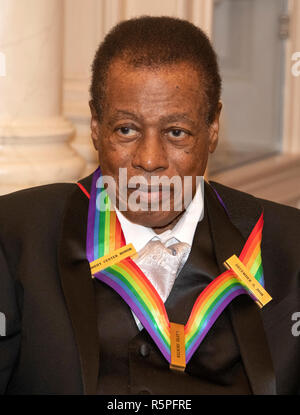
161, 264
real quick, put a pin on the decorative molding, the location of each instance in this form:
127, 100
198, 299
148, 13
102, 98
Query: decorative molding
291, 132
182, 9
107, 14
76, 109
201, 14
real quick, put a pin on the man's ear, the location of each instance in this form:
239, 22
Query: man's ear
95, 129
214, 130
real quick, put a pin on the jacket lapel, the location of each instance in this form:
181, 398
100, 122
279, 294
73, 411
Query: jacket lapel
77, 285
245, 314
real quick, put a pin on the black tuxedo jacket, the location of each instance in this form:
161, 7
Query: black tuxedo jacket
46, 292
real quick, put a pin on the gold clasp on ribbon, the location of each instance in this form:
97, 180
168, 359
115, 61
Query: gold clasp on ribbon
177, 338
248, 280
112, 258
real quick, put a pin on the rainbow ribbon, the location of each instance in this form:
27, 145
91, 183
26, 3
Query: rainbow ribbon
104, 235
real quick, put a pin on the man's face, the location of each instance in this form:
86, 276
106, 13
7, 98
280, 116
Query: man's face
154, 124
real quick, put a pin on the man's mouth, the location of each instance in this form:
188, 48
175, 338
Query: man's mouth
147, 188
148, 194
154, 196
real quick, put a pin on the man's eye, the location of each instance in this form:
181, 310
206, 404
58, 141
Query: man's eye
126, 131
177, 133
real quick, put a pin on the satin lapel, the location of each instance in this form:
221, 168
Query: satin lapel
77, 285
245, 314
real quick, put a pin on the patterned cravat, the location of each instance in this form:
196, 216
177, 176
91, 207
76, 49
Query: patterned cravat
161, 264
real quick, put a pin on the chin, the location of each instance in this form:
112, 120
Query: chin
152, 219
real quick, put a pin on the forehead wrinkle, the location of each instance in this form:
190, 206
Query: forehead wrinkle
177, 117
174, 117
119, 114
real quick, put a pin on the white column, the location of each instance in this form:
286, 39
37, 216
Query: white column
95, 18
291, 134
201, 14
34, 137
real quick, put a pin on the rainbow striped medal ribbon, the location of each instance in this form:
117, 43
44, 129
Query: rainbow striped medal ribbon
110, 262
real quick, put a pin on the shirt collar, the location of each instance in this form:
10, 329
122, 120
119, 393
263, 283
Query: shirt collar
183, 231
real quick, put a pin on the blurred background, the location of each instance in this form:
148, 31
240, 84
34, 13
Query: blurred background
46, 50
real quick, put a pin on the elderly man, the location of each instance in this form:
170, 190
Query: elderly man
161, 314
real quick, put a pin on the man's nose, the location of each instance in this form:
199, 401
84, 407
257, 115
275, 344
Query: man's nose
150, 154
